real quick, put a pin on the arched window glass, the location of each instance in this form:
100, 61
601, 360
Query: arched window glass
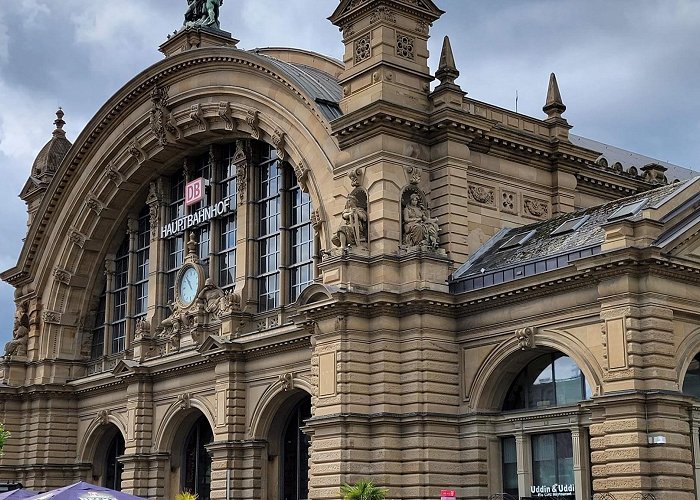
142, 252
98, 333
175, 245
196, 477
691, 382
295, 454
269, 185
552, 379
301, 235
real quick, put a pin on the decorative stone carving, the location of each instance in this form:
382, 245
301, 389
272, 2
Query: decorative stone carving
113, 174
316, 220
279, 139
173, 325
405, 46
253, 120
363, 49
353, 228
77, 238
302, 172
240, 161
172, 127
382, 14
154, 202
92, 203
185, 401
287, 381
348, 30
226, 115
525, 337
421, 27
51, 317
102, 417
85, 341
419, 229
508, 201
216, 303
414, 174
20, 332
355, 177
536, 208
142, 329
481, 194
159, 113
134, 149
61, 275
197, 116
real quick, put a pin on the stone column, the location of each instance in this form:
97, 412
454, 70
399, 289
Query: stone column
145, 474
580, 451
522, 448
237, 469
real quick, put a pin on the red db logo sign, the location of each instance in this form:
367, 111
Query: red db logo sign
194, 191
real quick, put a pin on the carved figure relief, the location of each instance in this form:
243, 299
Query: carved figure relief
215, 302
240, 160
20, 332
419, 229
353, 228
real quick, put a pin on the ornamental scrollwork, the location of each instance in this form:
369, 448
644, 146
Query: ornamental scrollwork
61, 275
481, 194
113, 174
134, 149
197, 116
536, 208
279, 141
253, 120
159, 113
525, 337
92, 203
286, 381
226, 114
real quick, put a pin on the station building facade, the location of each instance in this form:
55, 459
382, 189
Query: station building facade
262, 274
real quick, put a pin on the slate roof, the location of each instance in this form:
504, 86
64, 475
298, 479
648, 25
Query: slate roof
321, 86
629, 159
545, 246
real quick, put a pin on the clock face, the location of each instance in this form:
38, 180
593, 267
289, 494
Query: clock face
189, 286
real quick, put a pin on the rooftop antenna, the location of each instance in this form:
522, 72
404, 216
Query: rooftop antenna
516, 100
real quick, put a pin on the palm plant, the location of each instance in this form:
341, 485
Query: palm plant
186, 495
364, 489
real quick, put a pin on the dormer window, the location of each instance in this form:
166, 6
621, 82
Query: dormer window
570, 225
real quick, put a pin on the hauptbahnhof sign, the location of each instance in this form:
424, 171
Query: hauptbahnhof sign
198, 217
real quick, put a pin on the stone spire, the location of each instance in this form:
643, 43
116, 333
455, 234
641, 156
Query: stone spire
59, 132
447, 71
554, 106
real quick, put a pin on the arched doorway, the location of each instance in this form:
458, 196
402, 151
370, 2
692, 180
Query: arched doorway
113, 468
294, 470
196, 462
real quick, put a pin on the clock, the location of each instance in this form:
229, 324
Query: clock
188, 284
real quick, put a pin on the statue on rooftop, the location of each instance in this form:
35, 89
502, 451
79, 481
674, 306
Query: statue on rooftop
203, 13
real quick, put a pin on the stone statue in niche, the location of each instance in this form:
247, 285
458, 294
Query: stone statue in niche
353, 229
18, 345
203, 13
419, 229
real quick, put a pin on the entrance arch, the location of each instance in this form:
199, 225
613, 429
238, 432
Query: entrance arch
103, 449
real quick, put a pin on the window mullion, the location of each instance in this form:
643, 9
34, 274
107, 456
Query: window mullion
110, 271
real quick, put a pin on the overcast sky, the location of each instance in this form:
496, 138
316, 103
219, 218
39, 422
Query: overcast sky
627, 69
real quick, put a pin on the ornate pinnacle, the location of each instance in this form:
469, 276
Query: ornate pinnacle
59, 124
447, 71
554, 106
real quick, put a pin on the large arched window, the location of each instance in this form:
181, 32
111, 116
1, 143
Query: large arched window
260, 193
552, 379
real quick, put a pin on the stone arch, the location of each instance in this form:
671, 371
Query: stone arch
118, 153
100, 433
510, 357
180, 414
278, 398
315, 292
686, 352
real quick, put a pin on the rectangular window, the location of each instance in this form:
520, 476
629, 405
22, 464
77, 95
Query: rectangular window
175, 246
302, 242
228, 226
269, 183
97, 347
509, 466
119, 295
553, 465
143, 241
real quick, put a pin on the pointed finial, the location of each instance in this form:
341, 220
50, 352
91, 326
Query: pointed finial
554, 106
59, 123
447, 71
